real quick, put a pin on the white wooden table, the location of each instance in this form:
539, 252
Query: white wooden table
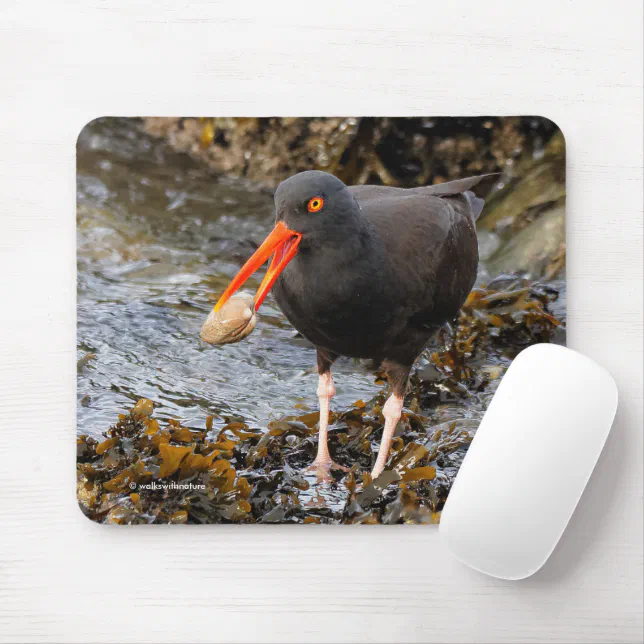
63, 578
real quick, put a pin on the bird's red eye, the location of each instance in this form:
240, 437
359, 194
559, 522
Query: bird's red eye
315, 205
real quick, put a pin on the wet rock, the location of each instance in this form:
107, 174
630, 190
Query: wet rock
538, 184
522, 228
538, 250
389, 151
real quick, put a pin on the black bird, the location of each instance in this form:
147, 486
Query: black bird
367, 272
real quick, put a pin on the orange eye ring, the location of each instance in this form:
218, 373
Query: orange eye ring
315, 204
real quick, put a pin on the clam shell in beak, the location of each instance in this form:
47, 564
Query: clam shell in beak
234, 321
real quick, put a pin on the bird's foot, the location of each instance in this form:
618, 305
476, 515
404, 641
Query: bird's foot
323, 468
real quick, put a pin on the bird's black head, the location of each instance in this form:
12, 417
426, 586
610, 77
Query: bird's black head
315, 204
313, 210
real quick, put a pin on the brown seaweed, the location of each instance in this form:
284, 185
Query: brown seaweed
143, 472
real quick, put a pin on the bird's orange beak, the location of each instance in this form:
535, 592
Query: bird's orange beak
282, 243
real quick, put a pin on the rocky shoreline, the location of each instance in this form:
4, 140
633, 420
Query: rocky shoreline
525, 210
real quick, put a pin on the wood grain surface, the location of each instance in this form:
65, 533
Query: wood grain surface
64, 579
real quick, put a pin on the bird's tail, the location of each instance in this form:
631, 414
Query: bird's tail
476, 204
460, 187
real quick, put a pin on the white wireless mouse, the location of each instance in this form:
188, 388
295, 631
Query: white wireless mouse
529, 461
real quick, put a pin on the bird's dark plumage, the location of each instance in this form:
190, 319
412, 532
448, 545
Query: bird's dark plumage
382, 268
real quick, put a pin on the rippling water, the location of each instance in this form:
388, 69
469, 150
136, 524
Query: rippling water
158, 238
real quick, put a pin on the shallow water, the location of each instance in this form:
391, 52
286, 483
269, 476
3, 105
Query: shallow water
158, 239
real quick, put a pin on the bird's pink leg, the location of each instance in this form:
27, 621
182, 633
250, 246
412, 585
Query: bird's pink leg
326, 391
392, 412
323, 463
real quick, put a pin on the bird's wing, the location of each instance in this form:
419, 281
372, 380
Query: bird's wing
429, 238
366, 195
409, 223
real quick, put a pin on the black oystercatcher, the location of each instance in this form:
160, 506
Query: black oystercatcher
367, 272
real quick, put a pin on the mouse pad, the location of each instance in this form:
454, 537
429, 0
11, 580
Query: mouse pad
303, 320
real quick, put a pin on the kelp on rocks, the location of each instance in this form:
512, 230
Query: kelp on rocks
145, 473
142, 473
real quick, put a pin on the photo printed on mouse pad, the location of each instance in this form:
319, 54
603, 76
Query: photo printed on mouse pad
303, 320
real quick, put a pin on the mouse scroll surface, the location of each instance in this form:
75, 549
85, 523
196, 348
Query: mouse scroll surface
529, 461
